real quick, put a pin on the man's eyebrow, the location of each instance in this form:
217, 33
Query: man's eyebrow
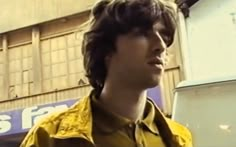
162, 29
139, 30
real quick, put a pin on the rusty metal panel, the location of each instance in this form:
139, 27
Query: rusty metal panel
20, 36
68, 24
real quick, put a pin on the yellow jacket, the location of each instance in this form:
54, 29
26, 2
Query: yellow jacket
73, 128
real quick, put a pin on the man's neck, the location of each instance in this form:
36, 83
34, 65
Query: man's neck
128, 103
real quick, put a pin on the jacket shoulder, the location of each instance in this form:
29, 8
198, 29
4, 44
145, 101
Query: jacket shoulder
181, 133
39, 134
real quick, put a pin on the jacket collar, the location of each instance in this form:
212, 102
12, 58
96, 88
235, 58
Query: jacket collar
104, 118
77, 123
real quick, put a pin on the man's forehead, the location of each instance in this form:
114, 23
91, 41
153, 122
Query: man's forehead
157, 26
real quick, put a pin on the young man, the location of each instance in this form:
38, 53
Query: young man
124, 55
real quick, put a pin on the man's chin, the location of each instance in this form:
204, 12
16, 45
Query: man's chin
153, 83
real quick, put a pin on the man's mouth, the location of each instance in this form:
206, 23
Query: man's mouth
155, 61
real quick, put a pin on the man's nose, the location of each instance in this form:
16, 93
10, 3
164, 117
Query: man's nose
157, 42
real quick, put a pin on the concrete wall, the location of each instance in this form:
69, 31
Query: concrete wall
16, 14
211, 39
42, 58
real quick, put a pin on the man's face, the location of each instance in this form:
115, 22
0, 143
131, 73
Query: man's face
139, 57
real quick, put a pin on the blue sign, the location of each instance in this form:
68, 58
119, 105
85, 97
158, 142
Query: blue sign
20, 121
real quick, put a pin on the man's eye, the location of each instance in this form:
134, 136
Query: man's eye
141, 33
167, 39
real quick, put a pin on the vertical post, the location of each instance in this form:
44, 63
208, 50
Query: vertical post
37, 65
6, 67
184, 47
233, 14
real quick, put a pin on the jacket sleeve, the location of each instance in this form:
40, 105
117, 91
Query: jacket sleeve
181, 133
37, 138
189, 140
190, 144
40, 138
186, 137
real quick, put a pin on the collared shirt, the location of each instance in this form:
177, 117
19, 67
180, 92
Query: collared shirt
112, 130
73, 128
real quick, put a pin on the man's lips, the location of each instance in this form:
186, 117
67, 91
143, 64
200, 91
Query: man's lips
155, 60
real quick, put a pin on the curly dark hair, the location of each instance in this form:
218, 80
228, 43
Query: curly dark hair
111, 18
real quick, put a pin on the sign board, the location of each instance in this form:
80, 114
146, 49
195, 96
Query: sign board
20, 121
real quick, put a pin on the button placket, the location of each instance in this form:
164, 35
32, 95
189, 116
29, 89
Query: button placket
130, 125
138, 135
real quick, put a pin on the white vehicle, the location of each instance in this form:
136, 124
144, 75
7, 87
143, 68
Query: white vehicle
208, 109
